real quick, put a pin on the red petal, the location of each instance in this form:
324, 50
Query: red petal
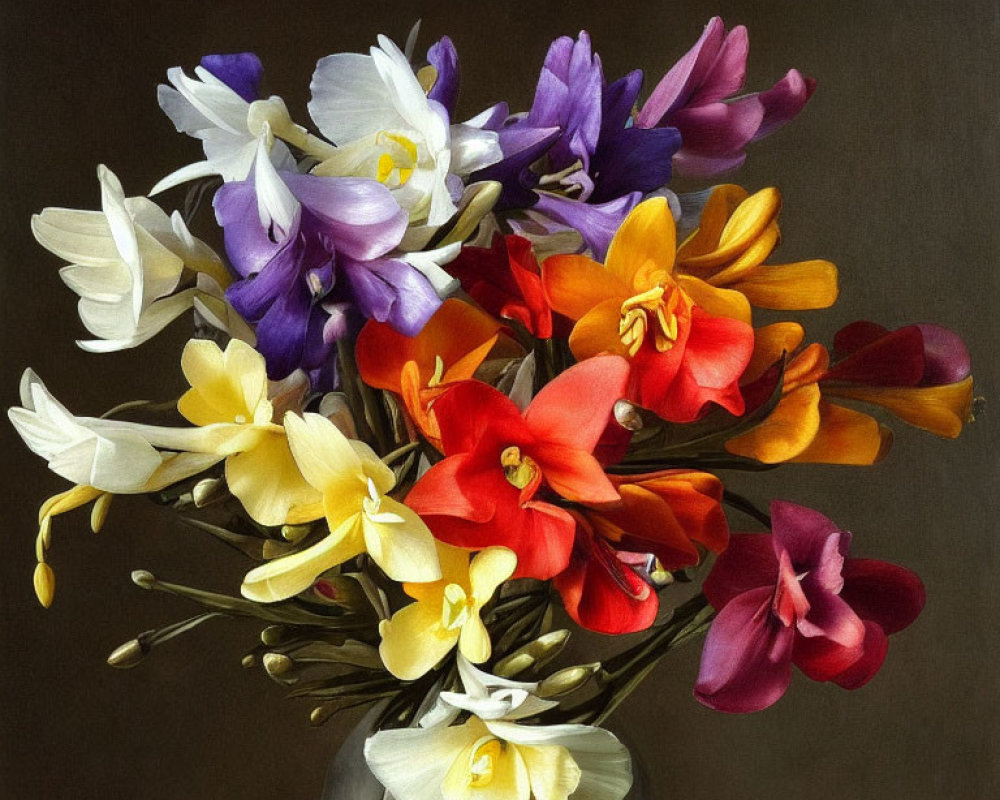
575, 474
895, 359
453, 487
574, 409
471, 411
600, 593
863, 670
884, 593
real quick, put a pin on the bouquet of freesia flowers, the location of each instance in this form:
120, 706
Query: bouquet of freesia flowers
451, 377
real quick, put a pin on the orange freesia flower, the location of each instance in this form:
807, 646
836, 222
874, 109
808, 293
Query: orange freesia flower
920, 373
449, 348
803, 426
608, 586
736, 234
688, 341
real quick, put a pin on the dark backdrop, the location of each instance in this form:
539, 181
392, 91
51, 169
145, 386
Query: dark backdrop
891, 173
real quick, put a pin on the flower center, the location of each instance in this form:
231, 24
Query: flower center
518, 469
456, 607
655, 311
398, 158
372, 506
483, 762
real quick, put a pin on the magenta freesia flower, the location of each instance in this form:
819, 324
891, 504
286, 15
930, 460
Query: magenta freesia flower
794, 597
696, 98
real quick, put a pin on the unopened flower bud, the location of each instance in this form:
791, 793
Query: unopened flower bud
45, 583
277, 664
536, 653
207, 490
627, 416
342, 591
143, 578
295, 533
248, 661
128, 655
272, 635
567, 680
99, 512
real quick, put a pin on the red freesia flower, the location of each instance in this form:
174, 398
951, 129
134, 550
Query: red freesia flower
506, 281
794, 597
499, 463
607, 586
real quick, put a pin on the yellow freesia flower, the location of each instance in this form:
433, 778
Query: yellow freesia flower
230, 389
446, 612
354, 484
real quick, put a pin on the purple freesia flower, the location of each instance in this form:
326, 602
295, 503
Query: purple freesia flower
794, 597
589, 166
695, 97
312, 253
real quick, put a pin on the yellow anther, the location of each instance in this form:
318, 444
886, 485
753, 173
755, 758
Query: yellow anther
455, 608
438, 376
519, 470
385, 167
483, 761
661, 302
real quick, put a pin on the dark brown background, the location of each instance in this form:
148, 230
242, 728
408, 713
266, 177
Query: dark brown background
891, 173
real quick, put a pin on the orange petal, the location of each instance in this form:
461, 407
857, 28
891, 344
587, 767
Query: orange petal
938, 409
769, 342
788, 430
791, 287
753, 256
716, 302
807, 367
382, 352
645, 242
575, 284
846, 436
597, 331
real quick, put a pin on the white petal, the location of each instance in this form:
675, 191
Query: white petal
80, 237
428, 263
350, 100
123, 231
412, 762
200, 169
604, 761
473, 149
276, 205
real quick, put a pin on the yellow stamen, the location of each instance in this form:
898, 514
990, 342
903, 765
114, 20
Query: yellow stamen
438, 376
519, 470
456, 607
661, 303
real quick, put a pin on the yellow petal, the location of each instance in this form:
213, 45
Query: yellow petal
645, 242
474, 642
938, 409
575, 284
553, 773
846, 436
750, 220
405, 549
414, 640
225, 387
715, 301
454, 563
760, 248
720, 206
325, 457
786, 432
287, 576
791, 287
268, 483
486, 769
45, 583
488, 570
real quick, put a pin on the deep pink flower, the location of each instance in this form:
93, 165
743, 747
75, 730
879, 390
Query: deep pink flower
794, 597
695, 97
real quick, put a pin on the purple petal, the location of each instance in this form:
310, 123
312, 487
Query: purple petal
617, 101
677, 86
392, 291
802, 532
728, 71
359, 215
281, 333
596, 222
253, 296
241, 72
522, 145
718, 129
444, 58
887, 594
633, 160
746, 664
783, 101
248, 244
946, 358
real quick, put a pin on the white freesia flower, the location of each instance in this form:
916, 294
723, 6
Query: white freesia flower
110, 456
126, 262
491, 757
208, 109
374, 109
